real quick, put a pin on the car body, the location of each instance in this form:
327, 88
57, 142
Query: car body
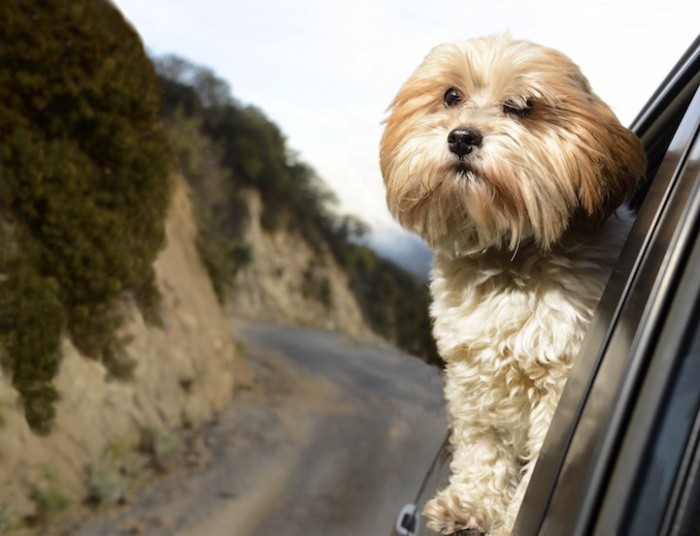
622, 455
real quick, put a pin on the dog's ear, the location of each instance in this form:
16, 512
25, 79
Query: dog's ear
615, 165
607, 160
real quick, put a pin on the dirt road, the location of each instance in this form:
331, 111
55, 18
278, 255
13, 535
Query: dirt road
329, 436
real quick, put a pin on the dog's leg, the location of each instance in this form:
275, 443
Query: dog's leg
484, 473
541, 417
488, 432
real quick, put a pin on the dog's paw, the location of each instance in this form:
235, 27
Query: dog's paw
447, 515
468, 532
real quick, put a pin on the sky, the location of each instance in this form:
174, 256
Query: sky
325, 71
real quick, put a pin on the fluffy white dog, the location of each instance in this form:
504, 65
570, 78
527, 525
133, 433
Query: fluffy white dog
499, 155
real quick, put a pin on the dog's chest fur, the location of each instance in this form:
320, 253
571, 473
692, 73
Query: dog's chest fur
511, 326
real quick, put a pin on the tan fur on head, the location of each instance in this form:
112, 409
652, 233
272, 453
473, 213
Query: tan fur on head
531, 173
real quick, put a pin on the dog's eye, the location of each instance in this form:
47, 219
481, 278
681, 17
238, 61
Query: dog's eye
452, 97
517, 110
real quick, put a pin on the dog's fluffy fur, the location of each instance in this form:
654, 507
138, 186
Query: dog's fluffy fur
523, 238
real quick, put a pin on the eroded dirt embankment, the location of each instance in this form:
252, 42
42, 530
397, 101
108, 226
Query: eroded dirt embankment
185, 372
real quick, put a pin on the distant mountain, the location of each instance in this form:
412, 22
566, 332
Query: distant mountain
403, 248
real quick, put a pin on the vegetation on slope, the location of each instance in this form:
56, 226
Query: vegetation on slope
222, 146
83, 186
84, 167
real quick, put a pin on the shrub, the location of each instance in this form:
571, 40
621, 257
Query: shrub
48, 497
8, 517
160, 445
316, 285
112, 474
84, 183
220, 211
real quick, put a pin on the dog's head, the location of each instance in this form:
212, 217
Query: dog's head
492, 142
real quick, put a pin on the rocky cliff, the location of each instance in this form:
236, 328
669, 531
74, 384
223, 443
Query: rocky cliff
184, 372
291, 279
271, 224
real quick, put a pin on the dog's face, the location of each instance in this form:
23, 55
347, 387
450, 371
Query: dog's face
492, 142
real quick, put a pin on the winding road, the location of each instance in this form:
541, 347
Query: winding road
328, 436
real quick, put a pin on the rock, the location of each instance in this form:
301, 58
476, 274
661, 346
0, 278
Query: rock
291, 280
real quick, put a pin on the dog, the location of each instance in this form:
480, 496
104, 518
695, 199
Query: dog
498, 154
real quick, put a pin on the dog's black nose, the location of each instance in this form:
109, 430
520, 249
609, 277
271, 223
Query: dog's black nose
462, 140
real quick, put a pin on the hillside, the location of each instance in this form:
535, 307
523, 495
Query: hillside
139, 208
273, 240
289, 280
183, 373
111, 334
84, 190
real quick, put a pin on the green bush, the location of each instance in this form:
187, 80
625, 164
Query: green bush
48, 498
160, 445
83, 184
220, 212
111, 475
8, 518
316, 285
